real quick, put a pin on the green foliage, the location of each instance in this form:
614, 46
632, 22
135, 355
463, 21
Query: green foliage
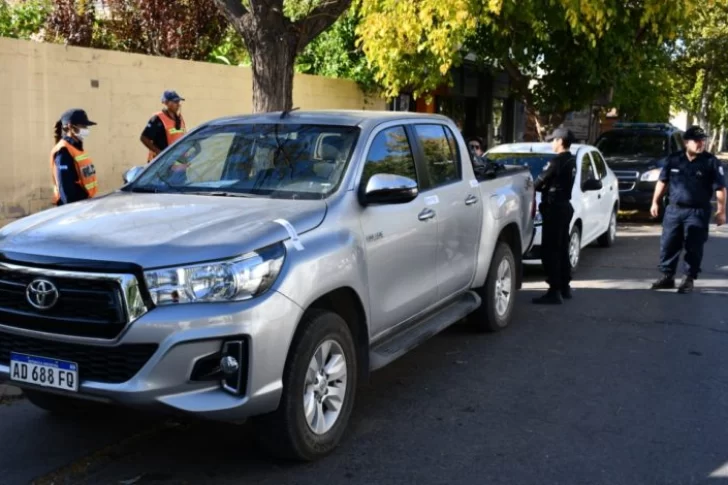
230, 51
23, 19
334, 53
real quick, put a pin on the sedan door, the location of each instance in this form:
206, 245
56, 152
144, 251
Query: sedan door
400, 239
609, 193
590, 201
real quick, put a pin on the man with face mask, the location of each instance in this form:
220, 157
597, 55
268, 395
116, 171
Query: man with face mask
166, 126
690, 177
73, 172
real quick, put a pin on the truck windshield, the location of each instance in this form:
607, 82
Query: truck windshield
534, 161
633, 144
303, 161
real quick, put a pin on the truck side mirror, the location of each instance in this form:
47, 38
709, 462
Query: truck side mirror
591, 185
131, 174
385, 188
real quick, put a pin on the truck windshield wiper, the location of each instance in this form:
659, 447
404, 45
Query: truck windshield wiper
220, 193
145, 189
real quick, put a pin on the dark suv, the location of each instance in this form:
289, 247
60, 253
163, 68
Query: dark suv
636, 152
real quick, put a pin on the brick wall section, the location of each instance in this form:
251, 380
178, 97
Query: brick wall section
39, 81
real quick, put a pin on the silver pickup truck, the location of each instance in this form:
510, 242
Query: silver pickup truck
261, 267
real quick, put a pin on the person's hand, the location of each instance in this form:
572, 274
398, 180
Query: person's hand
720, 218
179, 167
655, 210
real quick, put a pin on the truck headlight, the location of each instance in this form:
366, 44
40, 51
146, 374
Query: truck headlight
232, 280
651, 175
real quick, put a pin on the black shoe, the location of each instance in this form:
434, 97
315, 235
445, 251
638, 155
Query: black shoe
667, 282
550, 298
686, 286
566, 293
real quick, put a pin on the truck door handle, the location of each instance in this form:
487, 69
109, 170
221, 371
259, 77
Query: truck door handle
599, 196
471, 199
426, 214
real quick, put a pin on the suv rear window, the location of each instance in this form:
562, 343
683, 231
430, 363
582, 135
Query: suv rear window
633, 144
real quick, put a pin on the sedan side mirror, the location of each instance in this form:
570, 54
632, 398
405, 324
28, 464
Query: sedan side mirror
385, 188
131, 174
591, 185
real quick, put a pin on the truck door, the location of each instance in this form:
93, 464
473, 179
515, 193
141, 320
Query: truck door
458, 206
400, 239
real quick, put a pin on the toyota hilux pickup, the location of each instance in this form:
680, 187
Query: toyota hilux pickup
260, 267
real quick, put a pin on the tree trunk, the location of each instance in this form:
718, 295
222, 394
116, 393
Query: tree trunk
273, 69
721, 139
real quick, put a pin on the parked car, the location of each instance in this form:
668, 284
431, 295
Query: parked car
261, 267
637, 152
595, 196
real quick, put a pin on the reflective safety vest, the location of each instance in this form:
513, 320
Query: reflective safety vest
170, 130
84, 167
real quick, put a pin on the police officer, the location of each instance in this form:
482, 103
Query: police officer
166, 126
690, 177
555, 183
72, 171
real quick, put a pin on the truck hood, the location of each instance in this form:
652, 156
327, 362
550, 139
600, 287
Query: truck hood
157, 230
640, 164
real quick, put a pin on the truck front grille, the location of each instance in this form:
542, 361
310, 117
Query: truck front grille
627, 179
111, 365
83, 304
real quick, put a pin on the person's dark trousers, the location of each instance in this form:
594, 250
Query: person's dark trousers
683, 228
555, 244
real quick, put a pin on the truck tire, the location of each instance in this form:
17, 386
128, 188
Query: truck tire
319, 388
62, 405
498, 294
607, 239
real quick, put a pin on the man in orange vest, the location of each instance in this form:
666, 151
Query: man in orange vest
165, 127
73, 172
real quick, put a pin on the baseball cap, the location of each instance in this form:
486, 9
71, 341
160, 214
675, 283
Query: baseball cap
562, 133
171, 96
695, 133
76, 117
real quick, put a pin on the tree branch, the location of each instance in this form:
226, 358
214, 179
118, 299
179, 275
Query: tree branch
233, 9
318, 20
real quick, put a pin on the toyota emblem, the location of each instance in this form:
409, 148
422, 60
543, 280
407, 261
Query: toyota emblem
42, 294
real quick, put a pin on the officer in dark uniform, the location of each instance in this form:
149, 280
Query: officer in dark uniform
691, 177
555, 183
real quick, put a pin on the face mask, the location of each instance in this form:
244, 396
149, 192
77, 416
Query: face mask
83, 133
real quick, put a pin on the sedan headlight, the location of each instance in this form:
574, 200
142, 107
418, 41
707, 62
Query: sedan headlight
232, 280
651, 175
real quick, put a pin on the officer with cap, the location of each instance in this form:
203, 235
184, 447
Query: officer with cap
166, 126
72, 171
555, 183
690, 177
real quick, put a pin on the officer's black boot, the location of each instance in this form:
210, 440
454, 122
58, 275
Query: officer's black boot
686, 286
667, 282
552, 297
566, 293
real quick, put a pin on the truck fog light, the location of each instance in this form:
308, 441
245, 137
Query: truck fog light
229, 364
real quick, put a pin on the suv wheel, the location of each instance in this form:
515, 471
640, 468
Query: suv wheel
607, 239
319, 387
498, 294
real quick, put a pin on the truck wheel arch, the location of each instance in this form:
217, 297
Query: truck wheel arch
346, 303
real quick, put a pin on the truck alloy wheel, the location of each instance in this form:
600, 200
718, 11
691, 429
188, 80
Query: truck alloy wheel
498, 294
319, 388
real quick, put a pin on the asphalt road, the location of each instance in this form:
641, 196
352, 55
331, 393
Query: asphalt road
619, 386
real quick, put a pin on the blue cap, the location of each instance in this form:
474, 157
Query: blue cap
562, 133
171, 96
76, 117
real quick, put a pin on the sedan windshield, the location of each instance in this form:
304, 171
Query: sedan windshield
534, 161
303, 161
633, 144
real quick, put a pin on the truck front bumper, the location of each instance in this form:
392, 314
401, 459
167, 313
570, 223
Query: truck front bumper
177, 350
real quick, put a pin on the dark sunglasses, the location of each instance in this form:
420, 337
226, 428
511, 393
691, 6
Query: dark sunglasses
474, 147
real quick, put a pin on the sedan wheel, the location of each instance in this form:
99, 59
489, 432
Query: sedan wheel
610, 236
574, 248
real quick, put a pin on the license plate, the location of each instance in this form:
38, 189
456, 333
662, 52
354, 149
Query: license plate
44, 372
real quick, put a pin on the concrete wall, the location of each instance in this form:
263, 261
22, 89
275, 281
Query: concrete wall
120, 92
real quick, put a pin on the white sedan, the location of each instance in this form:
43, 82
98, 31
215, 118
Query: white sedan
595, 196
